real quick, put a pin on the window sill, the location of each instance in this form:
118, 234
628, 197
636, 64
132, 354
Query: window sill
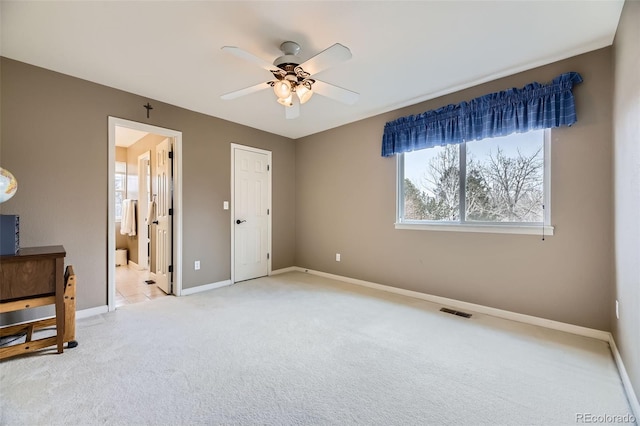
492, 229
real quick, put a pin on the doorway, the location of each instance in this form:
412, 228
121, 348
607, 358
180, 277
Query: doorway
250, 213
147, 261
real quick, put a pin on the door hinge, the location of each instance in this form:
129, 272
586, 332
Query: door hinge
267, 211
170, 154
267, 256
170, 268
268, 167
170, 212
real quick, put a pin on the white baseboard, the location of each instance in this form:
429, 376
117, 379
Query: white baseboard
134, 265
26, 321
466, 306
98, 310
285, 270
626, 381
205, 287
86, 313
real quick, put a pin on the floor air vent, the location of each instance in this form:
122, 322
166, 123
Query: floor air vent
458, 313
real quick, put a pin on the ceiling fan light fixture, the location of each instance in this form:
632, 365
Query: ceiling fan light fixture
288, 101
290, 76
282, 89
304, 94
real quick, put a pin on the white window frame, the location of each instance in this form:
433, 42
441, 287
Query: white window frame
489, 227
124, 190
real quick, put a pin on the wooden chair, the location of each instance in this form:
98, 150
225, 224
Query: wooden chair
29, 327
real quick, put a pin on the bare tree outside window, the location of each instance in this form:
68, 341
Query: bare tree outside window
441, 183
515, 186
504, 181
120, 187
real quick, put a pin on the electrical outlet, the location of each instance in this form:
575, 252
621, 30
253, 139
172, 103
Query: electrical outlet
196, 265
337, 257
617, 310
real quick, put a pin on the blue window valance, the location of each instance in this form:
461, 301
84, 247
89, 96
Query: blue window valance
535, 106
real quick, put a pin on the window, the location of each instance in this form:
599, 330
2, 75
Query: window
493, 185
121, 187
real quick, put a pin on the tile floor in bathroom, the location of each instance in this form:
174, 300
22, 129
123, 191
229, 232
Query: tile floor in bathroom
132, 288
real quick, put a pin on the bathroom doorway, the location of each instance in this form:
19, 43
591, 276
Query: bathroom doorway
145, 190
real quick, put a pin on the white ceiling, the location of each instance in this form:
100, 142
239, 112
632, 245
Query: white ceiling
403, 52
126, 137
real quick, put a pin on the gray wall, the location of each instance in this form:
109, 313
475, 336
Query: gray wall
54, 139
626, 131
345, 204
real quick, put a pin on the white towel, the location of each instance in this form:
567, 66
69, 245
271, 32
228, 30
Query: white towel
151, 213
132, 218
128, 224
124, 223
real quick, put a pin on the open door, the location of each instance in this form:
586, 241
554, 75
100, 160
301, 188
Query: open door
164, 211
144, 196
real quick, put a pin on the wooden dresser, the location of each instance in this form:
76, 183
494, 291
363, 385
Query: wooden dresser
34, 277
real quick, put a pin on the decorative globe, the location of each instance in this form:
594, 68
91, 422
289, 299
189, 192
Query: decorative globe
8, 185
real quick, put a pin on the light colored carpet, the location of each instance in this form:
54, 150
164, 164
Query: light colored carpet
300, 349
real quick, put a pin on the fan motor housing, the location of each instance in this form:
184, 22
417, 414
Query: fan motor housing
290, 57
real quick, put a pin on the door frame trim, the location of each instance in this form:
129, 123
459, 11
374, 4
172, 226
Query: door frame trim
235, 146
177, 203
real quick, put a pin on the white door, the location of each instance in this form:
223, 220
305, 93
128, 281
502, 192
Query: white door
163, 227
251, 210
144, 196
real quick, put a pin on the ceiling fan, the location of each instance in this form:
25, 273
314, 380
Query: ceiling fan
292, 76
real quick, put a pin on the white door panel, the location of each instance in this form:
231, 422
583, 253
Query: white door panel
163, 227
144, 196
251, 211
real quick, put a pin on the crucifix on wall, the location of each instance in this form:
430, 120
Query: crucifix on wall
148, 107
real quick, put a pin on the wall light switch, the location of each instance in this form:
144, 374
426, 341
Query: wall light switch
617, 310
337, 257
225, 205
196, 265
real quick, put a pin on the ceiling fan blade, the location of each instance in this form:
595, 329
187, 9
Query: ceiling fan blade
334, 92
250, 57
294, 110
245, 91
327, 58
